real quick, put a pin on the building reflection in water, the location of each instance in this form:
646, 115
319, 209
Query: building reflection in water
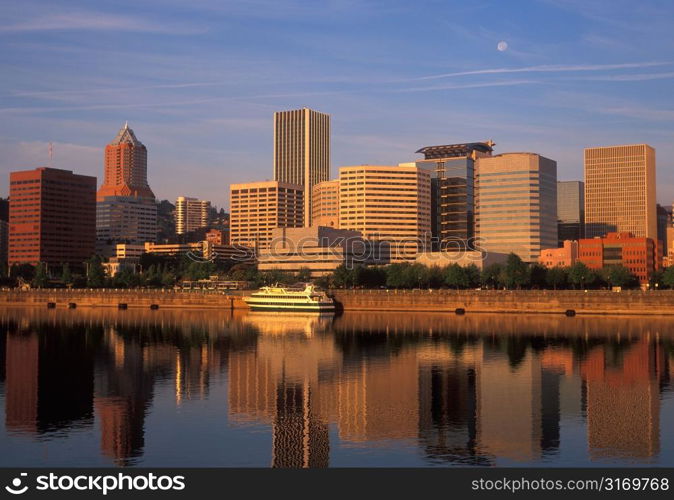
466, 390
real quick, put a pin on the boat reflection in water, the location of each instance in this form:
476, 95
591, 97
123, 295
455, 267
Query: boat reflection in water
199, 388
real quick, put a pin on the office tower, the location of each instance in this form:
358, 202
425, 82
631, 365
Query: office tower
302, 151
664, 216
517, 204
620, 191
259, 207
52, 217
125, 219
191, 214
126, 211
125, 167
325, 204
387, 203
452, 170
4, 231
570, 211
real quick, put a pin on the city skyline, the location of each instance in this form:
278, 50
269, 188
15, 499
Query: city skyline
204, 87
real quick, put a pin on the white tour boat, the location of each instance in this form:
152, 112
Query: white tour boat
276, 298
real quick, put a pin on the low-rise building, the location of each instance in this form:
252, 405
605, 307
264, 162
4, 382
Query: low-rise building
638, 254
565, 256
462, 258
319, 249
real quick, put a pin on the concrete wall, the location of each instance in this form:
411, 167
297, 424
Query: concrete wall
473, 301
112, 298
501, 301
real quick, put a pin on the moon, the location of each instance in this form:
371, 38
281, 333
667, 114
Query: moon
502, 46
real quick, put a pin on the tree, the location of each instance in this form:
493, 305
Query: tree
304, 275
557, 277
66, 275
95, 272
473, 275
618, 275
414, 275
580, 275
514, 274
25, 271
537, 276
395, 276
41, 279
342, 276
456, 276
490, 277
168, 279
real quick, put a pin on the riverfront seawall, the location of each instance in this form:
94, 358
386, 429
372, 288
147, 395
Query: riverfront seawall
510, 301
471, 301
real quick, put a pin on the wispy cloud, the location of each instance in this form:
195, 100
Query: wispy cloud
96, 21
546, 68
504, 83
629, 78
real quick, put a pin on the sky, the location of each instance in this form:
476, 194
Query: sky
199, 81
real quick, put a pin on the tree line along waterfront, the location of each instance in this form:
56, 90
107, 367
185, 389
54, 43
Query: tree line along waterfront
168, 272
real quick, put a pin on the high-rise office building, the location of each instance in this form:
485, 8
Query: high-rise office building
302, 151
389, 204
259, 207
620, 191
325, 204
125, 219
4, 231
125, 167
191, 214
52, 217
452, 170
126, 209
570, 211
517, 204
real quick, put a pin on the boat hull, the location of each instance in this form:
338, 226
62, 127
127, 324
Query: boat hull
293, 308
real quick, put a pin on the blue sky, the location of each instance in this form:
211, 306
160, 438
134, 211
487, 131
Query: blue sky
199, 81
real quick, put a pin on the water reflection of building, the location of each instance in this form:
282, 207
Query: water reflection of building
21, 383
623, 399
48, 383
286, 382
448, 404
380, 400
509, 406
462, 390
123, 392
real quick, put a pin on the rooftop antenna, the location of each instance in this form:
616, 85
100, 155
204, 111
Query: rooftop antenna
51, 155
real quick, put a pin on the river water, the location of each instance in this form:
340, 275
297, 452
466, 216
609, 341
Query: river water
93, 387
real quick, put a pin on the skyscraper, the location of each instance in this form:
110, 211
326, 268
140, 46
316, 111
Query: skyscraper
389, 204
452, 170
570, 211
620, 191
191, 214
52, 217
302, 151
517, 204
325, 204
126, 210
259, 207
125, 167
